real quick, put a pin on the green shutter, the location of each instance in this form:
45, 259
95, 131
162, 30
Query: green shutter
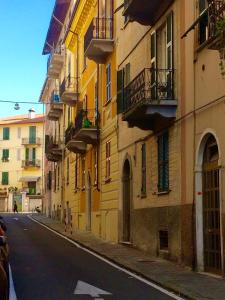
119, 91
6, 133
27, 154
33, 153
163, 162
5, 178
32, 134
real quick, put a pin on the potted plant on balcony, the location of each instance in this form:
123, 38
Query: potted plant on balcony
220, 33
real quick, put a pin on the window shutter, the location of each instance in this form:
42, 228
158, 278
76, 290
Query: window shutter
143, 171
6, 133
32, 134
120, 87
33, 154
5, 178
27, 154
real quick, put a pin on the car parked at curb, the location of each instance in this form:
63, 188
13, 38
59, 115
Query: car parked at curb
4, 262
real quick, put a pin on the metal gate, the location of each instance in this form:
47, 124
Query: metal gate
18, 199
211, 214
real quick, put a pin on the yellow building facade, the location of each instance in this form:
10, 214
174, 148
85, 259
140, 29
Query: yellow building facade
21, 161
86, 169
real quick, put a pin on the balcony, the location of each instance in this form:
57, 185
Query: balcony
149, 101
72, 145
56, 107
53, 149
146, 13
31, 141
36, 163
98, 40
5, 159
216, 25
69, 93
86, 128
55, 63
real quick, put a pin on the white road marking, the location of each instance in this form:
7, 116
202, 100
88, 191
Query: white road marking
12, 293
155, 286
84, 288
16, 219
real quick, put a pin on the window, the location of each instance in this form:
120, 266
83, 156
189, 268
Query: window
30, 154
5, 178
67, 171
120, 87
18, 154
143, 170
19, 132
108, 82
96, 166
108, 146
58, 176
49, 180
163, 239
32, 134
203, 23
5, 155
6, 133
163, 162
76, 174
32, 188
83, 173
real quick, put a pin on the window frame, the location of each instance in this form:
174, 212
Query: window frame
108, 83
6, 133
108, 161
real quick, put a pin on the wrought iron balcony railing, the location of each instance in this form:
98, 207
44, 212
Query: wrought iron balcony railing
69, 133
150, 86
100, 29
86, 119
31, 141
31, 163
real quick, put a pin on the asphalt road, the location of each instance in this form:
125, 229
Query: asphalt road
47, 267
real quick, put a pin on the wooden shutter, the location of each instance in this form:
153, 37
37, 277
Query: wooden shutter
6, 133
33, 154
169, 41
27, 154
120, 87
143, 170
32, 134
163, 162
108, 82
5, 178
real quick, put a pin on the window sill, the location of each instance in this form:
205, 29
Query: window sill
143, 195
107, 180
162, 193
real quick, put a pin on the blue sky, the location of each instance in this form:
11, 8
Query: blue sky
23, 28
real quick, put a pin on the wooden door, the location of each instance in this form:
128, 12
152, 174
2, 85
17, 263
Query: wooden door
211, 210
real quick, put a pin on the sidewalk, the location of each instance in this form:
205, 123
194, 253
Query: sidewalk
169, 275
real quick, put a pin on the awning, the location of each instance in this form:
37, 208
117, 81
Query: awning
202, 14
29, 178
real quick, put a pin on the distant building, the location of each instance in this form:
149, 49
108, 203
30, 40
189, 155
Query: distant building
21, 148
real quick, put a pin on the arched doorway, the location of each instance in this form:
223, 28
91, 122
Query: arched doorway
89, 201
211, 207
126, 201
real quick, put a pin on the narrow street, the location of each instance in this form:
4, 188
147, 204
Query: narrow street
46, 266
